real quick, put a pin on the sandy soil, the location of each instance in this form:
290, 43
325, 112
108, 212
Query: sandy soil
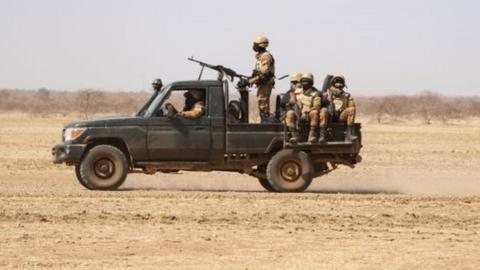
414, 203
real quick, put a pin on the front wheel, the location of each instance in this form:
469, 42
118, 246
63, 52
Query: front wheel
290, 171
104, 167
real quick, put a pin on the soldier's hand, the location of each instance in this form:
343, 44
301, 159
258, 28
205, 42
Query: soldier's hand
242, 83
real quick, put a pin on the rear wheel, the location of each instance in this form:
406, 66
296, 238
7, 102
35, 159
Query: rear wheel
265, 184
104, 167
290, 171
262, 178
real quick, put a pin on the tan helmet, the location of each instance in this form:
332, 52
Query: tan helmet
338, 78
196, 94
307, 76
295, 77
262, 41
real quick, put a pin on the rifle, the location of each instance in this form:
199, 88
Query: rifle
231, 74
325, 89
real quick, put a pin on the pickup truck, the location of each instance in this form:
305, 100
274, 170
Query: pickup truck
105, 150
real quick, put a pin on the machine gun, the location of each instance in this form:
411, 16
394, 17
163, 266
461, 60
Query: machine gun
230, 73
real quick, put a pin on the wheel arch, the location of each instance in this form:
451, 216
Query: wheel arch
274, 146
113, 141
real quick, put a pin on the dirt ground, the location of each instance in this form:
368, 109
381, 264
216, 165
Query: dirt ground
413, 203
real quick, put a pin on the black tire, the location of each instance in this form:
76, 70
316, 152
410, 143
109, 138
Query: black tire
79, 177
265, 184
104, 167
290, 171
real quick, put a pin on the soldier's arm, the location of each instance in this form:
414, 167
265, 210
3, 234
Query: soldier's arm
197, 111
317, 102
351, 102
292, 96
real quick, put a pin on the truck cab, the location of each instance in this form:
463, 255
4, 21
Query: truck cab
156, 139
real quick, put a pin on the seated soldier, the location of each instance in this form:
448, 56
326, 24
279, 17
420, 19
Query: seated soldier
194, 104
290, 117
317, 115
309, 101
345, 108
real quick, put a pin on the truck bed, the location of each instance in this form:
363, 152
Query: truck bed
261, 138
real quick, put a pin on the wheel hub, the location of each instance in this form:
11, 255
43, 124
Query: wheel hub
104, 168
291, 171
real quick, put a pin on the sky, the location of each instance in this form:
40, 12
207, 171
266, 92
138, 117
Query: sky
382, 47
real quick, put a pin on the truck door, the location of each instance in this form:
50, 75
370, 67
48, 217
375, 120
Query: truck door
178, 138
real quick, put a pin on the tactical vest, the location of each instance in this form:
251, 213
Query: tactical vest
271, 73
305, 99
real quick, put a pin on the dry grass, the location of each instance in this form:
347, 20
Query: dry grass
428, 107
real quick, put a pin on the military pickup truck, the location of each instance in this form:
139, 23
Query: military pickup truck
156, 139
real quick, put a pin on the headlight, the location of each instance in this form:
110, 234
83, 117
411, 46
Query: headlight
71, 134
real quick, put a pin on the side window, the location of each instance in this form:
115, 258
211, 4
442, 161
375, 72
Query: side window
180, 100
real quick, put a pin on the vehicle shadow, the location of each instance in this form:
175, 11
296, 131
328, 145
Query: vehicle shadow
224, 190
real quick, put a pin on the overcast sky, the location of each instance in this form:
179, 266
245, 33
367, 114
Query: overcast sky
382, 47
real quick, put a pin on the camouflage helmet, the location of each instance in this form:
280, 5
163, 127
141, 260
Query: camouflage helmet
295, 77
262, 41
196, 93
307, 77
157, 84
338, 79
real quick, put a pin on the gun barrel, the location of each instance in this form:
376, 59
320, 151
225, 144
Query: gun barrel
228, 71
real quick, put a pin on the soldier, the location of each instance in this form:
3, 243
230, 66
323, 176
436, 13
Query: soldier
291, 116
345, 108
263, 76
198, 107
309, 101
157, 84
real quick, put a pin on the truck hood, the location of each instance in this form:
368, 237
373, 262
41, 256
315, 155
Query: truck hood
114, 121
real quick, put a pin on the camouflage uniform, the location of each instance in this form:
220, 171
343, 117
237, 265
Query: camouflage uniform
198, 107
310, 102
345, 106
263, 77
290, 117
195, 112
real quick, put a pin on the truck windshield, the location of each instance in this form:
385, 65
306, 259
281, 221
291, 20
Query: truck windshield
152, 103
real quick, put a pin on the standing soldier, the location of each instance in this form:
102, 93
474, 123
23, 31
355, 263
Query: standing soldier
263, 76
345, 107
291, 107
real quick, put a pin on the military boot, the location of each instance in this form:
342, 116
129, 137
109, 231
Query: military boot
321, 138
293, 136
350, 134
312, 136
266, 117
263, 117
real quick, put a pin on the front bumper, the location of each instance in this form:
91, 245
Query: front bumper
68, 153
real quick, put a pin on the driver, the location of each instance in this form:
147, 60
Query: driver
196, 110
